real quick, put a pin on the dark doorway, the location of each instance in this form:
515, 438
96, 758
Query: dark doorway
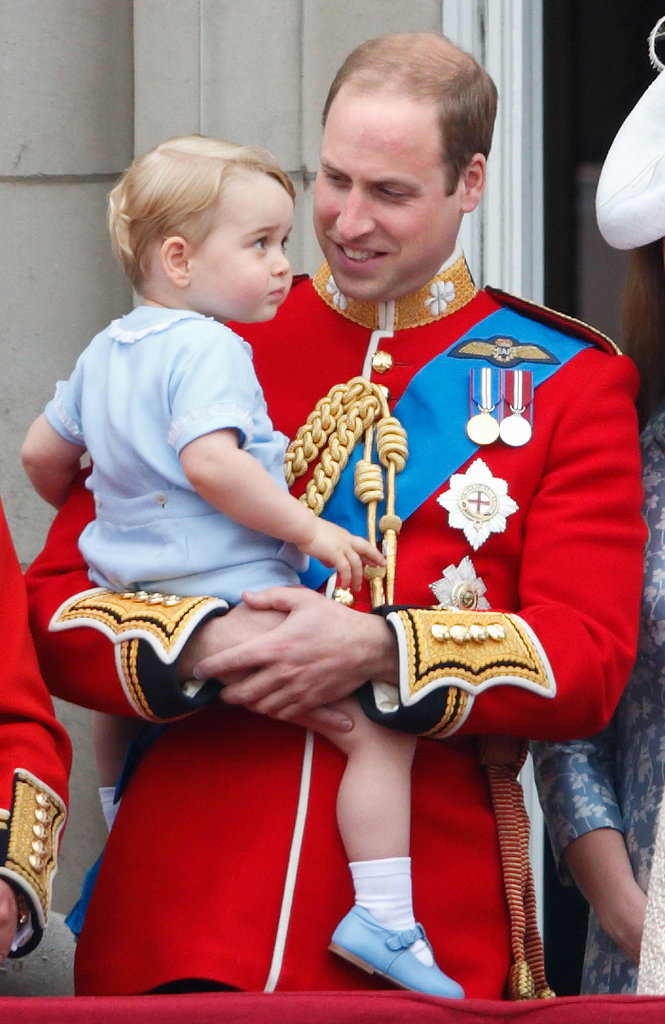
596, 67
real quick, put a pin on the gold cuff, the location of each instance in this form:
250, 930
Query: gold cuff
36, 818
467, 652
165, 621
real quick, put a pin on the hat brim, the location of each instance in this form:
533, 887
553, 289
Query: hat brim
630, 199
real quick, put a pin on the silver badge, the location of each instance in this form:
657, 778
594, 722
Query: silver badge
477, 503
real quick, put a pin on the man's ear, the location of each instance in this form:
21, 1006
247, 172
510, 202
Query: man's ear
175, 255
472, 182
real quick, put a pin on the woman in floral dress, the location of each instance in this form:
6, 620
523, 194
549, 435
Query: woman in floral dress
601, 795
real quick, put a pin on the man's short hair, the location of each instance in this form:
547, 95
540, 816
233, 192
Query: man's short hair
427, 66
176, 189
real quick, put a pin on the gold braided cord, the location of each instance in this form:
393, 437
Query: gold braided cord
348, 412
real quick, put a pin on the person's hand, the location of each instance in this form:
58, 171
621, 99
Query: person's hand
216, 635
321, 651
343, 551
8, 917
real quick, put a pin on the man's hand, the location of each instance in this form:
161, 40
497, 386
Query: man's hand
320, 652
8, 918
218, 634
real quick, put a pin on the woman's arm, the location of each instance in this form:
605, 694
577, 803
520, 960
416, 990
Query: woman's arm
598, 861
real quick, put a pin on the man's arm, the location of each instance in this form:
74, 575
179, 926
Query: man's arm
575, 619
80, 665
323, 651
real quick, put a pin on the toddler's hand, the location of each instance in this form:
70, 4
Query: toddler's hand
343, 551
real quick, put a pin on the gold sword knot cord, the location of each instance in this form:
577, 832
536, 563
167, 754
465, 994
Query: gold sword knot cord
330, 434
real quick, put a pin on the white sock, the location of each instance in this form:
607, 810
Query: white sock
109, 809
383, 887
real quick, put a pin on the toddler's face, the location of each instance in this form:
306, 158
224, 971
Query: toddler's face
240, 270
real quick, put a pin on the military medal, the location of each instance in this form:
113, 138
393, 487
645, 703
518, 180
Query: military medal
482, 428
517, 394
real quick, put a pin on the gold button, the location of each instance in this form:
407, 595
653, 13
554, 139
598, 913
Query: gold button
343, 596
382, 361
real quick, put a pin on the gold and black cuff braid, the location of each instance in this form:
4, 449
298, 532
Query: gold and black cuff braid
447, 657
29, 836
149, 632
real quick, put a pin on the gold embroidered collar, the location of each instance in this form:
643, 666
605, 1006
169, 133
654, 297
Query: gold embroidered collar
451, 289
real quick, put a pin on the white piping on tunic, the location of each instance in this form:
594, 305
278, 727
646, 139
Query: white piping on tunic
386, 310
386, 313
292, 866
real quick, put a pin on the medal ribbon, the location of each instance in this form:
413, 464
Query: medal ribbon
484, 392
517, 393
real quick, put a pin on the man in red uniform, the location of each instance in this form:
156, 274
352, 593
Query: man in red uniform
517, 510
34, 770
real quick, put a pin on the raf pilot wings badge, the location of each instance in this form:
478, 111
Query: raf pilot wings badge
503, 351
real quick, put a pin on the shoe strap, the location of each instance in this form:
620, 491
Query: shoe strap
402, 940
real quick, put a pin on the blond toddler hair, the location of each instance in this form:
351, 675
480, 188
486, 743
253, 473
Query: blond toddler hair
176, 189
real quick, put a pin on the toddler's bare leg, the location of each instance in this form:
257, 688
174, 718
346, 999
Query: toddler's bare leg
374, 797
111, 737
374, 819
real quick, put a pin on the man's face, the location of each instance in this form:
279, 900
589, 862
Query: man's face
381, 213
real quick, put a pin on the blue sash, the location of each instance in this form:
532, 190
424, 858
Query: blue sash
432, 410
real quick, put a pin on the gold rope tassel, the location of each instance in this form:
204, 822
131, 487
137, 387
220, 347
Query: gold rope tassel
527, 978
330, 434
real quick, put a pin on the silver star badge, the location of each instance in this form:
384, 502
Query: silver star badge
459, 587
477, 503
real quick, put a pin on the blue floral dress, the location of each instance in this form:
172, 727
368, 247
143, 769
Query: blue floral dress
615, 778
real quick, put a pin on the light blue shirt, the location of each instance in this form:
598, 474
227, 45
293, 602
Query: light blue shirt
145, 387
615, 779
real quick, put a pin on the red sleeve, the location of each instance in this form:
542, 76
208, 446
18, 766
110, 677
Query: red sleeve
32, 739
35, 755
582, 563
552, 656
78, 664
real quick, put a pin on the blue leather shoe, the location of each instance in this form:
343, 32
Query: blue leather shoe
360, 939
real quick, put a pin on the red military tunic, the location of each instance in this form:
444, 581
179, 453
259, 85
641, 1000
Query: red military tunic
35, 756
225, 862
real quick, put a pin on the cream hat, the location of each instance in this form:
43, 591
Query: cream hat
630, 199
